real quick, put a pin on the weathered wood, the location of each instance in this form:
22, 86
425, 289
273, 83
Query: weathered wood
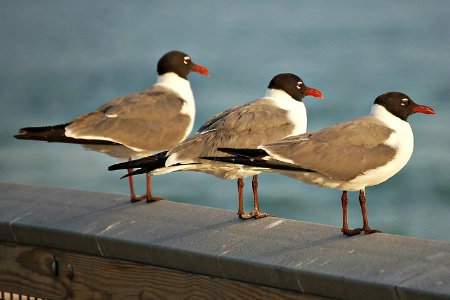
29, 270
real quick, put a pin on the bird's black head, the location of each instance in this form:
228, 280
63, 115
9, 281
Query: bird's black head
401, 106
293, 86
179, 63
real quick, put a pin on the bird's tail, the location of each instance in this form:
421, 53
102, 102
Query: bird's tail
55, 134
145, 164
47, 133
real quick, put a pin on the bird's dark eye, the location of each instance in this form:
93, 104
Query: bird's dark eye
405, 102
299, 85
186, 60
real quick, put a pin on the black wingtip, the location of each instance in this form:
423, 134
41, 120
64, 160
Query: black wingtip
258, 163
152, 162
244, 152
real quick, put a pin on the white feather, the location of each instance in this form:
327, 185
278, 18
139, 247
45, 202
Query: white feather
296, 109
182, 87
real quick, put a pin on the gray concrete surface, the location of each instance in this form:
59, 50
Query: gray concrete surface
305, 257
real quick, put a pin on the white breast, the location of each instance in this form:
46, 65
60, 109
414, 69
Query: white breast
296, 109
402, 139
181, 87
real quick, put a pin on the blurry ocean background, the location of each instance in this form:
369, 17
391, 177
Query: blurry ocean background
60, 59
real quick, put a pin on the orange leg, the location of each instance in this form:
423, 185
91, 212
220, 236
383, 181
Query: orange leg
148, 195
362, 203
345, 230
134, 198
256, 213
240, 213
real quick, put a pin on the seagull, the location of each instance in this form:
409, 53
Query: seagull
138, 124
349, 156
279, 114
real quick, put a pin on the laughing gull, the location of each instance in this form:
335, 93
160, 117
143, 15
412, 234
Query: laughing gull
138, 124
348, 156
279, 114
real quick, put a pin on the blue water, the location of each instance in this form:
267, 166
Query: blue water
61, 59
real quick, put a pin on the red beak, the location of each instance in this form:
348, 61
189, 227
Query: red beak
314, 92
200, 69
424, 109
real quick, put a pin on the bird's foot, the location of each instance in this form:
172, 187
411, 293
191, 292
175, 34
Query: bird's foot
260, 215
370, 231
153, 199
253, 215
351, 232
149, 199
356, 231
135, 198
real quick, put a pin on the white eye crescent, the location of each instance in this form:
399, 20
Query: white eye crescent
405, 101
299, 84
186, 60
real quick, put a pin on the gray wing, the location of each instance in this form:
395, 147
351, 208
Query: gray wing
244, 126
253, 116
215, 120
148, 120
342, 151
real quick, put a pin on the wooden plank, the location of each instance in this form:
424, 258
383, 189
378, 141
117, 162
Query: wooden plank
57, 274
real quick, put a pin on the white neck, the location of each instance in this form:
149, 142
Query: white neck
296, 109
181, 87
401, 139
391, 121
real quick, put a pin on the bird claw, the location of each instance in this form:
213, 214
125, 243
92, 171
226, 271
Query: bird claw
254, 214
154, 199
135, 198
351, 232
370, 231
149, 199
260, 215
356, 231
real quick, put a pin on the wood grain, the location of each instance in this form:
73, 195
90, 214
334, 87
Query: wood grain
32, 271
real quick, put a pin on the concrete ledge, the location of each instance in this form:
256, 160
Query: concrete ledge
296, 256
